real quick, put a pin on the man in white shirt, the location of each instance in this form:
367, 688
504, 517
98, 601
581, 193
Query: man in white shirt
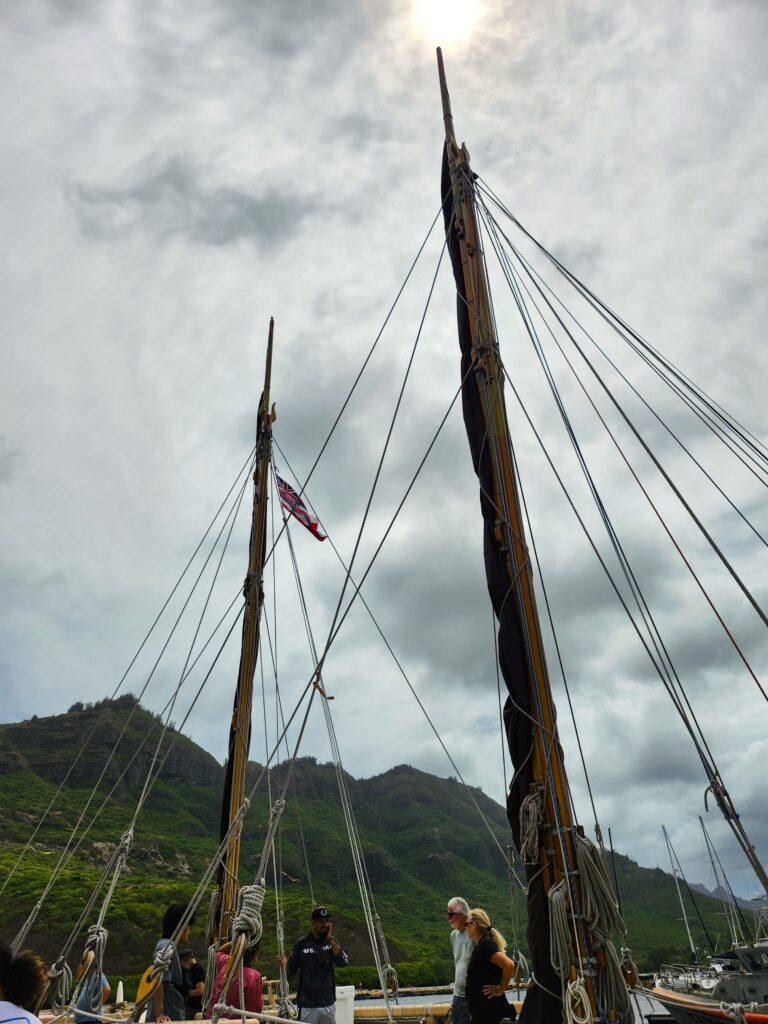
462, 946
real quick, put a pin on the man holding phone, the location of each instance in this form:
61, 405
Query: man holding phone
314, 956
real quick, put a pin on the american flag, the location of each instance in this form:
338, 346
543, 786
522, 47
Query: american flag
293, 504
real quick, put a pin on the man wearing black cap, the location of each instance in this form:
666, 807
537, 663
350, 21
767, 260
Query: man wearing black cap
314, 956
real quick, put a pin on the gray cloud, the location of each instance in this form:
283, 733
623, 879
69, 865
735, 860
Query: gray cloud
10, 458
630, 141
176, 199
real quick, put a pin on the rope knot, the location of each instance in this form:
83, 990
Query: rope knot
57, 968
252, 579
164, 957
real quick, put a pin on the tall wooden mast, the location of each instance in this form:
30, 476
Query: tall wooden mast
240, 728
508, 566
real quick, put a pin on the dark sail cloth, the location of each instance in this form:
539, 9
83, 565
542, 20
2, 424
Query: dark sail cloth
482, 971
540, 1007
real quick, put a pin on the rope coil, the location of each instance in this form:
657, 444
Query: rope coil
559, 933
531, 817
599, 903
61, 973
250, 900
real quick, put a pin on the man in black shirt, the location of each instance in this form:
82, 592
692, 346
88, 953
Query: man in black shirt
314, 956
194, 982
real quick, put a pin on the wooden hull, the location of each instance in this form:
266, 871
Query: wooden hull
698, 1009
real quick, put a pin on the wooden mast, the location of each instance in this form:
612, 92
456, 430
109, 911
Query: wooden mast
240, 729
557, 856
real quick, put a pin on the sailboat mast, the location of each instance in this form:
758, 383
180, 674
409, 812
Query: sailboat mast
510, 579
679, 894
240, 727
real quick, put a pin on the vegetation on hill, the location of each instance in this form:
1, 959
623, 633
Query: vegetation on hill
422, 837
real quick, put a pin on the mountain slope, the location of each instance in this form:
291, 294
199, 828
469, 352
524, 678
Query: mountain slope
422, 837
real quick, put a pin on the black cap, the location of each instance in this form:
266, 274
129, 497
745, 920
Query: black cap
187, 951
320, 914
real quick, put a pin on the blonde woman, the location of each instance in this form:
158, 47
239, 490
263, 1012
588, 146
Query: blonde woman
488, 973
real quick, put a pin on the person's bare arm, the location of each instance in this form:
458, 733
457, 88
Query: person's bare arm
105, 990
158, 1005
508, 967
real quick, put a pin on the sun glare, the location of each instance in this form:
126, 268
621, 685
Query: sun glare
445, 21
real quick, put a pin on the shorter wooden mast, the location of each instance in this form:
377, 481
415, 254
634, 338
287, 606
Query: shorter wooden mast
556, 848
240, 727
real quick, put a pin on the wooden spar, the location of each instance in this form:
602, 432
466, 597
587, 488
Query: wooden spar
240, 729
557, 855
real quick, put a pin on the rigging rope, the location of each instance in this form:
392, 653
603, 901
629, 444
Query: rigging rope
89, 737
630, 467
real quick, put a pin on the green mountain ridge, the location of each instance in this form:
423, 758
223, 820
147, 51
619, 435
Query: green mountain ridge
422, 838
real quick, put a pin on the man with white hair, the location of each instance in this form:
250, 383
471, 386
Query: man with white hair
462, 946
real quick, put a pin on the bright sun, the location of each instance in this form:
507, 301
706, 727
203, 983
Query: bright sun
445, 21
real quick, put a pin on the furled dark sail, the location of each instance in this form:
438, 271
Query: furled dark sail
539, 1006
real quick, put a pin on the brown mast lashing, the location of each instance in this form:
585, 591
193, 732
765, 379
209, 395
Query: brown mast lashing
540, 786
240, 727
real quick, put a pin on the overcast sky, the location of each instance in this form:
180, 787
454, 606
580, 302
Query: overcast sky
175, 173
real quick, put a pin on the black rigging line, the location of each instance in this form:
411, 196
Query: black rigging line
89, 737
613, 866
647, 617
730, 421
533, 272
674, 488
722, 797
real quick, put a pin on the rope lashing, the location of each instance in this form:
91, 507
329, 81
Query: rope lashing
390, 974
26, 928
629, 967
599, 904
61, 973
531, 816
251, 581
737, 1011
559, 932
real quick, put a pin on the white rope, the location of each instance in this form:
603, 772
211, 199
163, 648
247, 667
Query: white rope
26, 928
522, 973
599, 904
284, 1005
531, 817
250, 900
577, 1007
385, 971
737, 1011
221, 1008
61, 973
613, 985
559, 931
